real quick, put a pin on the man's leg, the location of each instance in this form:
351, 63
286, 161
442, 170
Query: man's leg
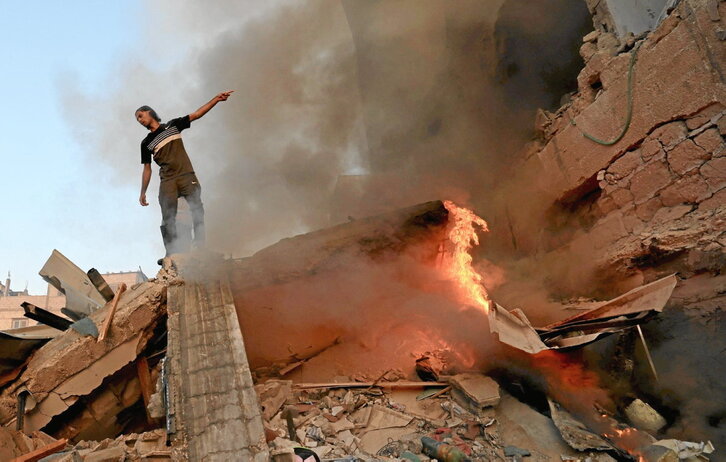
168, 195
191, 190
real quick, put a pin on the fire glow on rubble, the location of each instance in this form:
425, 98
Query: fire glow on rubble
462, 234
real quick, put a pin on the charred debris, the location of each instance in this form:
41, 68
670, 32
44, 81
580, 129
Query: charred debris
163, 370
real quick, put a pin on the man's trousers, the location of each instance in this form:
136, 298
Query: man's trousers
170, 190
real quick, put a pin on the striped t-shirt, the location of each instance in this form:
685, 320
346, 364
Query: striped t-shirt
165, 146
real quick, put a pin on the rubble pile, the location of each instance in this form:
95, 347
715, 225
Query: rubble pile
415, 424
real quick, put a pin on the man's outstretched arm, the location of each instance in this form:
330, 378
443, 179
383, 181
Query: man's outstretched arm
209, 105
145, 178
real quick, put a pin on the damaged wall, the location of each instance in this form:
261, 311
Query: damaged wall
655, 192
63, 378
591, 219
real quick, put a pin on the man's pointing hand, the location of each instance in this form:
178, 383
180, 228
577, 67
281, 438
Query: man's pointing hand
224, 95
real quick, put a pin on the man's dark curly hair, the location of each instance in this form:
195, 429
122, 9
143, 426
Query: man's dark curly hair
151, 112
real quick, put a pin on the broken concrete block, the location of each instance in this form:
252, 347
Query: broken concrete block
112, 454
574, 432
644, 417
655, 453
686, 156
688, 190
287, 456
71, 365
591, 37
648, 181
711, 141
714, 172
626, 164
670, 134
648, 209
668, 214
272, 395
704, 116
650, 149
687, 450
474, 391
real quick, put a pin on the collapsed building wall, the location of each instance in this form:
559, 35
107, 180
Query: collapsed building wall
77, 387
588, 218
659, 190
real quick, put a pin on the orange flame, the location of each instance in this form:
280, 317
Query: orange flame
463, 225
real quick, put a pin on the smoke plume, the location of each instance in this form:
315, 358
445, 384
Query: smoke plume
341, 108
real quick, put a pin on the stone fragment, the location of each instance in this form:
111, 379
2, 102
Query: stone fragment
714, 202
722, 125
714, 172
655, 453
648, 181
644, 417
587, 50
686, 157
607, 43
711, 141
608, 230
647, 210
632, 223
650, 148
626, 164
622, 197
591, 37
668, 214
475, 391
670, 134
703, 116
574, 432
272, 395
688, 190
112, 454
606, 205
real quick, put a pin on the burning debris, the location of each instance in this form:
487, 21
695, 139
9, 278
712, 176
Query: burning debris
432, 402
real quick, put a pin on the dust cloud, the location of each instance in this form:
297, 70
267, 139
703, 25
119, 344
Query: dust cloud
341, 108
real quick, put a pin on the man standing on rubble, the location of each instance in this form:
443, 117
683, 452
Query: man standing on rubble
165, 146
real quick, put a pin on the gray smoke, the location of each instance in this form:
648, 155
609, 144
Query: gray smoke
408, 93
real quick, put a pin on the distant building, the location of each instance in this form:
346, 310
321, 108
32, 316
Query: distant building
12, 313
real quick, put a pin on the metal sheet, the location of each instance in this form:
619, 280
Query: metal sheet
514, 330
81, 295
649, 297
17, 344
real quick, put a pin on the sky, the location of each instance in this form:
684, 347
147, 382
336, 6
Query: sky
72, 75
55, 195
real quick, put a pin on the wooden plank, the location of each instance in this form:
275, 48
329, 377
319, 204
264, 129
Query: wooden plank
142, 368
109, 318
45, 451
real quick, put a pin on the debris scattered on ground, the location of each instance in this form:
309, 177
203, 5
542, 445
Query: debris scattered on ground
644, 417
575, 433
474, 391
627, 310
686, 450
